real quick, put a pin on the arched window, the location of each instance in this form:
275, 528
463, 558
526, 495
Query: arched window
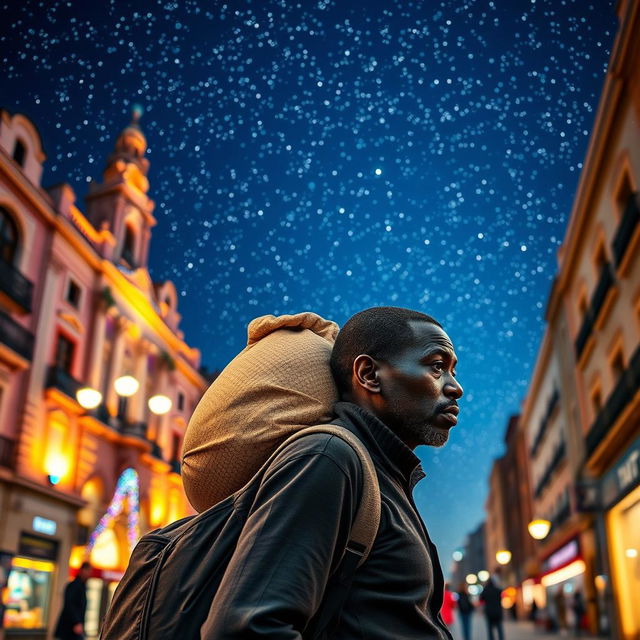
129, 245
19, 152
8, 237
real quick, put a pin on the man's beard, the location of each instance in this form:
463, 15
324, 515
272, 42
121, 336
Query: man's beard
435, 437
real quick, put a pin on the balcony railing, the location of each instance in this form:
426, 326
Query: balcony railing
621, 396
557, 458
16, 286
628, 224
127, 428
15, 336
603, 287
544, 423
7, 447
58, 378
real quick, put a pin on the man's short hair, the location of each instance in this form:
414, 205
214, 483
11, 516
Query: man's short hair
378, 332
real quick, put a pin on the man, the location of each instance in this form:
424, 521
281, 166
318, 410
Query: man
492, 599
395, 371
71, 622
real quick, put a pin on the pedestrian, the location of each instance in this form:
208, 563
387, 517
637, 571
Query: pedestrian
561, 610
71, 621
492, 599
448, 605
395, 373
465, 610
579, 610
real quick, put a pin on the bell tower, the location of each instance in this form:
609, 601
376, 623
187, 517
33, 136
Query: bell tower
120, 202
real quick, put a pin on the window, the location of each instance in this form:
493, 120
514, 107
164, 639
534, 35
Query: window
19, 152
582, 305
624, 193
176, 447
64, 353
180, 401
73, 294
129, 246
617, 365
600, 259
8, 237
28, 593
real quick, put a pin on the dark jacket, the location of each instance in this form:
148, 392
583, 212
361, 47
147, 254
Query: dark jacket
73, 610
297, 532
492, 598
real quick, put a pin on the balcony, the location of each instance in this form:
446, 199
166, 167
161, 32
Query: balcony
605, 283
15, 288
621, 396
628, 224
126, 428
58, 378
7, 447
557, 458
544, 423
15, 336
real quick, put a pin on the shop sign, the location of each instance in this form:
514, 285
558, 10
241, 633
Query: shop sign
563, 556
37, 547
624, 477
43, 525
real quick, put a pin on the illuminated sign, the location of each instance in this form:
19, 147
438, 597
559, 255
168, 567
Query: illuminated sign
42, 525
624, 477
563, 555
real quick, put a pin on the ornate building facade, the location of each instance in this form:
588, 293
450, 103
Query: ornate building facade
96, 380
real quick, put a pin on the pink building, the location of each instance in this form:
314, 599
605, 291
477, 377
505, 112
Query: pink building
83, 325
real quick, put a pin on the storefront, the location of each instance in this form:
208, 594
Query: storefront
621, 501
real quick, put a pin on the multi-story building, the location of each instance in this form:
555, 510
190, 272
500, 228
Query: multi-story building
96, 380
496, 525
581, 417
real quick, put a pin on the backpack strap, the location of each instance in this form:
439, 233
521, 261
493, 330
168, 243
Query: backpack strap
367, 519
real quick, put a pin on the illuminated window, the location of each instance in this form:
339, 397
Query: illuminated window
28, 593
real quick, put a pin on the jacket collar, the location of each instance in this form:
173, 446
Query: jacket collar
382, 443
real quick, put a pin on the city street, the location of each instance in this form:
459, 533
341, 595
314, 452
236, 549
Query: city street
512, 631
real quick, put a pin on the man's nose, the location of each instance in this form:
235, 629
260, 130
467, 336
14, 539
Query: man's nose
453, 389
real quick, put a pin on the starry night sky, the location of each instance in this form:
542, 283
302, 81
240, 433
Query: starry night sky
335, 155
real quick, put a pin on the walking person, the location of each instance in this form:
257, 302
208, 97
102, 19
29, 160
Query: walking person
395, 373
465, 610
579, 609
71, 621
492, 599
448, 605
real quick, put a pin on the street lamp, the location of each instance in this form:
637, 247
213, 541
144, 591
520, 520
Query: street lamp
483, 575
126, 386
159, 404
88, 398
503, 556
539, 529
472, 578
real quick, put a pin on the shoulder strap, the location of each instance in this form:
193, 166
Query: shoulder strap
367, 520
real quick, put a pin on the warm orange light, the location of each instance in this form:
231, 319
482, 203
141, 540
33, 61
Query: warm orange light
88, 398
159, 404
126, 386
56, 467
572, 570
503, 556
539, 529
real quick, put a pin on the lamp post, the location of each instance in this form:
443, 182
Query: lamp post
88, 398
159, 405
125, 387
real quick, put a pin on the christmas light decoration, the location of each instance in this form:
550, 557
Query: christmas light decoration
127, 487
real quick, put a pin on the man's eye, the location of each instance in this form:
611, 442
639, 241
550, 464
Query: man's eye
438, 366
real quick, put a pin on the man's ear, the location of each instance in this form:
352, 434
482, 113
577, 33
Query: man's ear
365, 373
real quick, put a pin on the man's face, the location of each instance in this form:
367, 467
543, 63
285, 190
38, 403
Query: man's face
418, 389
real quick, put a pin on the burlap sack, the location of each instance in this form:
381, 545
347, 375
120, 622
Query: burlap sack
278, 384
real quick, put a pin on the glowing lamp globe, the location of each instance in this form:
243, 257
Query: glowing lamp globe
126, 386
483, 575
88, 398
503, 556
458, 555
472, 578
159, 404
538, 529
